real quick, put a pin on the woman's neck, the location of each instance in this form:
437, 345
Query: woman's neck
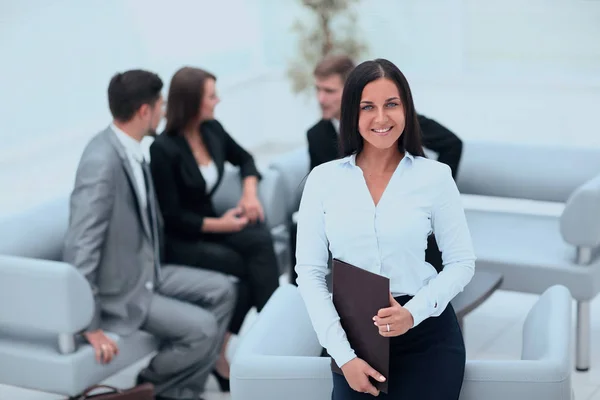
192, 133
379, 160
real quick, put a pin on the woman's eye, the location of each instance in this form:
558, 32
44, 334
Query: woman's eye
391, 105
366, 108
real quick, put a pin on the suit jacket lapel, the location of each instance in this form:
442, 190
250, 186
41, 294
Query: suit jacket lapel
217, 156
131, 178
333, 141
213, 149
188, 158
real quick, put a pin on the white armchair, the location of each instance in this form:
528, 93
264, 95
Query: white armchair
279, 357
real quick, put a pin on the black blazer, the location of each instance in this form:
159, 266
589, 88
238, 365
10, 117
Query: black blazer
180, 186
323, 143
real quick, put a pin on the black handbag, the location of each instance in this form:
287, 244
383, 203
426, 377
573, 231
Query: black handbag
144, 391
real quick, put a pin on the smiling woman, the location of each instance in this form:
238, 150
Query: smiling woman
377, 99
381, 115
375, 209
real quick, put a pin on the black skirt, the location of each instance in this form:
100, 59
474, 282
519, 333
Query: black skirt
426, 363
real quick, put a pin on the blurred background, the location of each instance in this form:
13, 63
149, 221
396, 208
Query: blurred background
504, 70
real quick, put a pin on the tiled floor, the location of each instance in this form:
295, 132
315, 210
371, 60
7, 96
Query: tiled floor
493, 331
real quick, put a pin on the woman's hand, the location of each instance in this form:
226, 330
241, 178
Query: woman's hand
357, 373
251, 208
233, 221
394, 320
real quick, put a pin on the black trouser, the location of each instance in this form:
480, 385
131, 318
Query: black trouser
443, 141
247, 255
427, 362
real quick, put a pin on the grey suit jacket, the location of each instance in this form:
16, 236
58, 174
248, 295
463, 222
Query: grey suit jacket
110, 238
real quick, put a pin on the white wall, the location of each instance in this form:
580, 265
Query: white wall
57, 60
498, 69
59, 56
455, 38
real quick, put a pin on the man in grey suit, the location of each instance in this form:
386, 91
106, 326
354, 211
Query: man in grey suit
115, 239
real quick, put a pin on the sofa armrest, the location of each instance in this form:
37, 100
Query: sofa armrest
580, 220
43, 295
515, 380
279, 356
283, 328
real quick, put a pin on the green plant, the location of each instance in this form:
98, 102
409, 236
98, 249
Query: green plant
332, 30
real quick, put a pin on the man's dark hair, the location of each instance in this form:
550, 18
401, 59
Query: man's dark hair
334, 65
130, 90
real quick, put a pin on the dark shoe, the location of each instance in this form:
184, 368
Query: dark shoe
223, 382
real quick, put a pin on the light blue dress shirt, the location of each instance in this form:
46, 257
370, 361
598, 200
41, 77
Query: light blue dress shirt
338, 212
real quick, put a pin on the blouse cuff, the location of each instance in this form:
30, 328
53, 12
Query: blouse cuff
420, 308
340, 355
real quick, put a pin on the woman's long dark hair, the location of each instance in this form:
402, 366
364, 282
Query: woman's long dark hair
186, 92
351, 142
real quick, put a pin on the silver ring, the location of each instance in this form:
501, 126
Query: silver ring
388, 327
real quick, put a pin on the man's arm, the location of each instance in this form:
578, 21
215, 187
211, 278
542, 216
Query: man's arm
443, 141
315, 148
91, 207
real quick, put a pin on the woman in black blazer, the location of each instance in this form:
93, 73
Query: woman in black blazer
187, 163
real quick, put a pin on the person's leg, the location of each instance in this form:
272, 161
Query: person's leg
242, 306
255, 244
189, 336
293, 232
442, 141
212, 254
216, 294
428, 362
209, 254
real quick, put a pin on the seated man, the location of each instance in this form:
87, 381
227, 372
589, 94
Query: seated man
115, 239
323, 138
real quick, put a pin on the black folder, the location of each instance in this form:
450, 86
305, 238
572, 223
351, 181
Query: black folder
357, 296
